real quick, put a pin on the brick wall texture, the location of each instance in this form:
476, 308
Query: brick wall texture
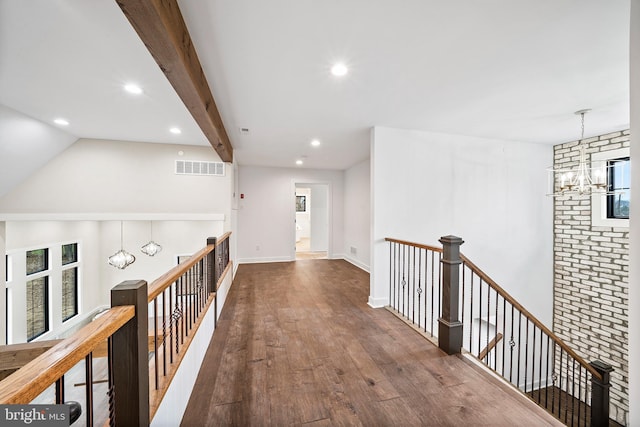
591, 268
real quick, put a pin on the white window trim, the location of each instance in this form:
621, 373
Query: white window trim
599, 201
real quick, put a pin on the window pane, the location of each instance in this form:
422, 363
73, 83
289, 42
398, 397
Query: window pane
37, 307
69, 253
69, 293
619, 183
37, 260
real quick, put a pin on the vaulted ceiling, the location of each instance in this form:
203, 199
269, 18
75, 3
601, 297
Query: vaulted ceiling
505, 69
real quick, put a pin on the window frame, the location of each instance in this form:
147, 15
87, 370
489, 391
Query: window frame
611, 197
599, 201
41, 274
75, 264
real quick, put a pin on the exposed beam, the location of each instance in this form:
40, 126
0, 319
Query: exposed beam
162, 29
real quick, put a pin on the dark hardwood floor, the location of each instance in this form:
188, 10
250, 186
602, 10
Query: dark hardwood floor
296, 344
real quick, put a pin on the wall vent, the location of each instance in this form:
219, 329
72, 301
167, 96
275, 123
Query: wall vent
195, 167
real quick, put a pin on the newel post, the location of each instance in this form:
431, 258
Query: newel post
449, 326
211, 269
130, 357
600, 394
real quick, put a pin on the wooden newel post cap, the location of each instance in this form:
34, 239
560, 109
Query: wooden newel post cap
211, 240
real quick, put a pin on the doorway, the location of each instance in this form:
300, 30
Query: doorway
312, 221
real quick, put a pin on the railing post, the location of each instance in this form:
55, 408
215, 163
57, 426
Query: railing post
449, 326
130, 364
600, 394
211, 270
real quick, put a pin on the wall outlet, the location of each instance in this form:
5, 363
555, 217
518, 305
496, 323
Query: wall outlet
354, 250
257, 247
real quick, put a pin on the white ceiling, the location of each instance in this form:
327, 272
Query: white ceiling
504, 69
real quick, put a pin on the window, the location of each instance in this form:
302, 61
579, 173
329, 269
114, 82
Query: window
69, 293
69, 281
37, 261
619, 180
69, 253
618, 166
37, 307
37, 290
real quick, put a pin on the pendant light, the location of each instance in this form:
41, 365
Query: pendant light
152, 247
121, 259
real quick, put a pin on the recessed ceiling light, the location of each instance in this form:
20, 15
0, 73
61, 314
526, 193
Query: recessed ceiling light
299, 162
175, 131
339, 69
61, 122
133, 88
315, 143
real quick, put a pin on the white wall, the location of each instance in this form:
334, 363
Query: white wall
27, 144
96, 176
357, 214
319, 218
634, 228
266, 229
23, 236
491, 193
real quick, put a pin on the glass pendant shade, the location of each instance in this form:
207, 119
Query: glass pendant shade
151, 248
121, 259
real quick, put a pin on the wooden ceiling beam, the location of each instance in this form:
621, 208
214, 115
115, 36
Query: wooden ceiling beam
160, 25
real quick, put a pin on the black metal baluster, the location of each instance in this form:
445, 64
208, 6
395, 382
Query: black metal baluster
512, 344
479, 317
471, 311
573, 389
519, 346
562, 392
495, 353
155, 340
390, 272
526, 355
504, 331
439, 285
111, 390
413, 292
419, 284
164, 331
433, 294
554, 378
463, 296
488, 322
546, 380
59, 390
173, 288
540, 370
396, 271
88, 375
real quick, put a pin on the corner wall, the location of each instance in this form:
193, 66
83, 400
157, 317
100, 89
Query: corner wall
357, 215
491, 193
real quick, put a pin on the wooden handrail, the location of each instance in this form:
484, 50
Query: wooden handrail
15, 356
414, 244
163, 282
33, 378
504, 294
492, 344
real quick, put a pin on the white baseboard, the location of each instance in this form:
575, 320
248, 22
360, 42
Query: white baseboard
357, 263
378, 302
263, 260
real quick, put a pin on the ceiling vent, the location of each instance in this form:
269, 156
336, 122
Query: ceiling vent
195, 167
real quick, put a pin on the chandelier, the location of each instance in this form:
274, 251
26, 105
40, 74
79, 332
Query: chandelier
121, 259
585, 179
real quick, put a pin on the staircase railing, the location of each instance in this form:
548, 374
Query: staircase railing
474, 313
144, 336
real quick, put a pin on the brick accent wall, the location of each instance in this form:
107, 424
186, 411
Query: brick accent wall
591, 269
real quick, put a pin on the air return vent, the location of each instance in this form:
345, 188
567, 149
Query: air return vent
195, 167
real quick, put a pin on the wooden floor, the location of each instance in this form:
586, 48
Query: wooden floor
296, 344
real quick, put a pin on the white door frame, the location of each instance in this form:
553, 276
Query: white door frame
292, 235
